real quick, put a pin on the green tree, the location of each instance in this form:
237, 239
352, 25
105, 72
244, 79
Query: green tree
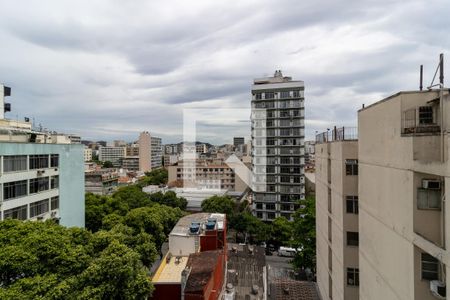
304, 234
43, 260
169, 198
107, 164
133, 196
281, 231
155, 177
220, 204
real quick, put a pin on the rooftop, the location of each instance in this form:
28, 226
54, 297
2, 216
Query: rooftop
337, 134
245, 270
183, 225
170, 269
202, 266
289, 289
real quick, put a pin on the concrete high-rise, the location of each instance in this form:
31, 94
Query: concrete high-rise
145, 161
337, 214
277, 146
404, 180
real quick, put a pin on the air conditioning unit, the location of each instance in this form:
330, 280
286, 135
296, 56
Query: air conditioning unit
431, 184
438, 289
40, 172
54, 214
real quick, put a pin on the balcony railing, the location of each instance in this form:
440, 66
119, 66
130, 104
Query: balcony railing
338, 134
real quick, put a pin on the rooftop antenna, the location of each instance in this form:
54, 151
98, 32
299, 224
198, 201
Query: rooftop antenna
421, 77
440, 67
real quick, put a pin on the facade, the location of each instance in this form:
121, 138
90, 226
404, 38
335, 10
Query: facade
156, 152
201, 148
112, 154
207, 174
238, 141
39, 178
101, 182
130, 163
337, 236
404, 178
132, 150
194, 266
277, 146
87, 154
170, 159
145, 162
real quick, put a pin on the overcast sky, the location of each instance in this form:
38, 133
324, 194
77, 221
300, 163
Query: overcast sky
110, 69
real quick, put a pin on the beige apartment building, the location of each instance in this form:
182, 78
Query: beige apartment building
209, 174
337, 214
404, 177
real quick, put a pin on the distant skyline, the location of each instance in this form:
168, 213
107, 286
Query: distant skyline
107, 69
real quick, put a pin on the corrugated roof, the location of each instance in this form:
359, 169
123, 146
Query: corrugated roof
202, 266
288, 289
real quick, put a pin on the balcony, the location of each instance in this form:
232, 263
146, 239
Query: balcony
338, 134
421, 120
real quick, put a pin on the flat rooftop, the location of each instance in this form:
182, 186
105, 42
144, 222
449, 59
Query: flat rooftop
170, 272
182, 227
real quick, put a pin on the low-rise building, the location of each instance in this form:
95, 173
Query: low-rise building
101, 182
112, 154
194, 265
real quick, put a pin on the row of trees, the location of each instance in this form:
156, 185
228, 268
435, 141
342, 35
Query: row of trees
109, 259
300, 233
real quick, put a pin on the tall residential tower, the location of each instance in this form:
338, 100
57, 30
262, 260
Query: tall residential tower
278, 132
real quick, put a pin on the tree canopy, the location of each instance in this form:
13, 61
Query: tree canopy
155, 177
43, 260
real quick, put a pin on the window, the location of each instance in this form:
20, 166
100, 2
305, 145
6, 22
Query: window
284, 95
351, 167
19, 213
38, 208
296, 94
269, 95
425, 115
54, 182
352, 238
38, 162
14, 189
430, 267
270, 206
54, 203
54, 160
259, 206
352, 204
258, 96
286, 207
353, 276
270, 216
259, 215
13, 163
428, 199
38, 185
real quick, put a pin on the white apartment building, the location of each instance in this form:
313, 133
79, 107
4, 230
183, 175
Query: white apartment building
112, 154
87, 154
156, 152
278, 132
337, 236
404, 180
39, 178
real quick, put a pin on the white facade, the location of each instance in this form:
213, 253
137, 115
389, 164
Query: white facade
87, 154
112, 154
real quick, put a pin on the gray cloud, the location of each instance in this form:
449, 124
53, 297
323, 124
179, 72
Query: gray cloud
108, 69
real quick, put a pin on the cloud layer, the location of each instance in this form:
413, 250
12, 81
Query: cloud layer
109, 69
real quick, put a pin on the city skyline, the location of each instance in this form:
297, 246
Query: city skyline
102, 77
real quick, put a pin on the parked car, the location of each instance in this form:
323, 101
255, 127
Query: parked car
287, 251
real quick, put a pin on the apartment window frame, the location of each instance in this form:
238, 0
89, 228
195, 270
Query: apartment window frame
38, 161
15, 163
15, 189
54, 160
351, 167
429, 267
425, 115
39, 208
426, 200
352, 238
352, 203
54, 203
353, 276
39, 184
271, 215
18, 213
269, 95
54, 182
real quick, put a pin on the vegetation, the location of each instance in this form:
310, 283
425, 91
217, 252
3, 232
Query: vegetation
107, 164
43, 260
155, 177
304, 234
